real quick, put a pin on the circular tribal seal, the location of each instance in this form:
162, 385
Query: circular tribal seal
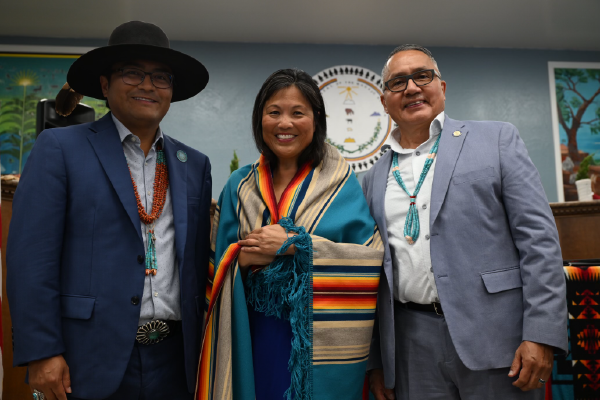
357, 124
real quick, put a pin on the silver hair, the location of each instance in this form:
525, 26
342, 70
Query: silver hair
406, 47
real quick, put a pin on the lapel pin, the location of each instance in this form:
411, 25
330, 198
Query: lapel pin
457, 133
181, 156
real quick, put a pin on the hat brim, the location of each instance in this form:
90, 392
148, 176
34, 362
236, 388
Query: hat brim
189, 75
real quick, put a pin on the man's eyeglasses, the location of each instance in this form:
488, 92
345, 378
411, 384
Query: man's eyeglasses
135, 77
420, 78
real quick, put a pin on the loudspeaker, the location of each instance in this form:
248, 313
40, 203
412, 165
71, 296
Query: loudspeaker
46, 116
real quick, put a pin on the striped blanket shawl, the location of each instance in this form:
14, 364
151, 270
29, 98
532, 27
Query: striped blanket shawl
341, 262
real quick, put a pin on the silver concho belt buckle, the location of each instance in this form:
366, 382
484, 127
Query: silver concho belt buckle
152, 332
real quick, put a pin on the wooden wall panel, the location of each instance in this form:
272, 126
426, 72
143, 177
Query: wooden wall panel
578, 224
14, 387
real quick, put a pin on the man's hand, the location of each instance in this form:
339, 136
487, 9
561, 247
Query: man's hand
534, 361
51, 377
267, 240
377, 386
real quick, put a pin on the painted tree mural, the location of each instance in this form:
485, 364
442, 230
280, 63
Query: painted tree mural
574, 105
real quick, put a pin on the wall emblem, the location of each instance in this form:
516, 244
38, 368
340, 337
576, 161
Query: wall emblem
356, 122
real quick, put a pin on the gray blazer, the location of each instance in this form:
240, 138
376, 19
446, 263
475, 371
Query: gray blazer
494, 249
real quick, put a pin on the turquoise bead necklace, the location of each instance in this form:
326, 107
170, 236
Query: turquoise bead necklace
411, 225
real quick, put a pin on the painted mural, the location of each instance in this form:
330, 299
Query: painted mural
576, 107
25, 79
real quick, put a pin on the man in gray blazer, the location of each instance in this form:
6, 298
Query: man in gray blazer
472, 299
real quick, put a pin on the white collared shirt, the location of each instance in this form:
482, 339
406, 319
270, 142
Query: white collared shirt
413, 276
160, 299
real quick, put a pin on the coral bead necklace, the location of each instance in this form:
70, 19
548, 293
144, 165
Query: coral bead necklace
161, 184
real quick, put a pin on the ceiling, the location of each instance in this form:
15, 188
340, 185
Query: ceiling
539, 24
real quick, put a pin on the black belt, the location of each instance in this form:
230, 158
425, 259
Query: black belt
156, 331
431, 307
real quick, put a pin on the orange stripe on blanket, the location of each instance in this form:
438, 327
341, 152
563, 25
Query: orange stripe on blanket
345, 289
266, 188
343, 285
329, 302
206, 349
230, 255
288, 194
345, 297
265, 180
347, 301
318, 308
208, 291
205, 359
346, 280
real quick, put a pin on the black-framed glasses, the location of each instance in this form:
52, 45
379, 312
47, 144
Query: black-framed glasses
420, 78
135, 77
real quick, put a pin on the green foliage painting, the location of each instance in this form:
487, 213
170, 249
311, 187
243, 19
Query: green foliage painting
578, 113
25, 79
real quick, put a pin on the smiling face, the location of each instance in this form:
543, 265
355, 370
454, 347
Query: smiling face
288, 124
143, 105
417, 106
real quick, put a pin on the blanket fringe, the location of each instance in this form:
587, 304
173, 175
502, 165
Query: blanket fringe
283, 290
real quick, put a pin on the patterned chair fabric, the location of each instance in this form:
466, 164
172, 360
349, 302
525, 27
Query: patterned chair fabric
578, 376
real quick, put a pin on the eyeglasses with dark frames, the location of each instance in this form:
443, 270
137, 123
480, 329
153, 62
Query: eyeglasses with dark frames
420, 78
135, 77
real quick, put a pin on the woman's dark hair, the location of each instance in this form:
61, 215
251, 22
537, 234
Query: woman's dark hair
283, 79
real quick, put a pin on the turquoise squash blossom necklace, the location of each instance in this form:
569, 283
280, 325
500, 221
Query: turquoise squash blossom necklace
411, 224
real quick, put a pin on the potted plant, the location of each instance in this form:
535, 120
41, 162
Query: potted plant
235, 163
583, 181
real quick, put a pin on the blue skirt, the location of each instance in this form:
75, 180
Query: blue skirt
271, 349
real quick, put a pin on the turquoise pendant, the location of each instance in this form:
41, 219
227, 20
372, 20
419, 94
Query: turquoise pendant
151, 266
411, 224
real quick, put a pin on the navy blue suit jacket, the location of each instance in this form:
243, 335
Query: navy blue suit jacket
75, 254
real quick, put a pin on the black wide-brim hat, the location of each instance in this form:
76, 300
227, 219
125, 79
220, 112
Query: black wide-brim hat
137, 40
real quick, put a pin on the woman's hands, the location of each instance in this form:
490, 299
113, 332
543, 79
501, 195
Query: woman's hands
267, 240
261, 245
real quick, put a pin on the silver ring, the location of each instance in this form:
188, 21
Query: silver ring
541, 381
37, 395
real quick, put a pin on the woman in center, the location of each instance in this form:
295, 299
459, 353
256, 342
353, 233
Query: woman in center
295, 262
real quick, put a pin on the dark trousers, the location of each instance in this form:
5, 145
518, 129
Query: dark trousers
154, 372
429, 368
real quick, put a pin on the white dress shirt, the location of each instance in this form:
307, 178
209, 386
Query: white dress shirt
413, 276
160, 299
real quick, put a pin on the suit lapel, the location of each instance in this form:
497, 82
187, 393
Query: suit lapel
178, 187
448, 153
380, 176
106, 142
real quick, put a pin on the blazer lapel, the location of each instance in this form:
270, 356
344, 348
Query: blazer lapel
178, 187
106, 142
380, 175
448, 153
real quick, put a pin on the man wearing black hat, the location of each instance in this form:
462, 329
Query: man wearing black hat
108, 247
